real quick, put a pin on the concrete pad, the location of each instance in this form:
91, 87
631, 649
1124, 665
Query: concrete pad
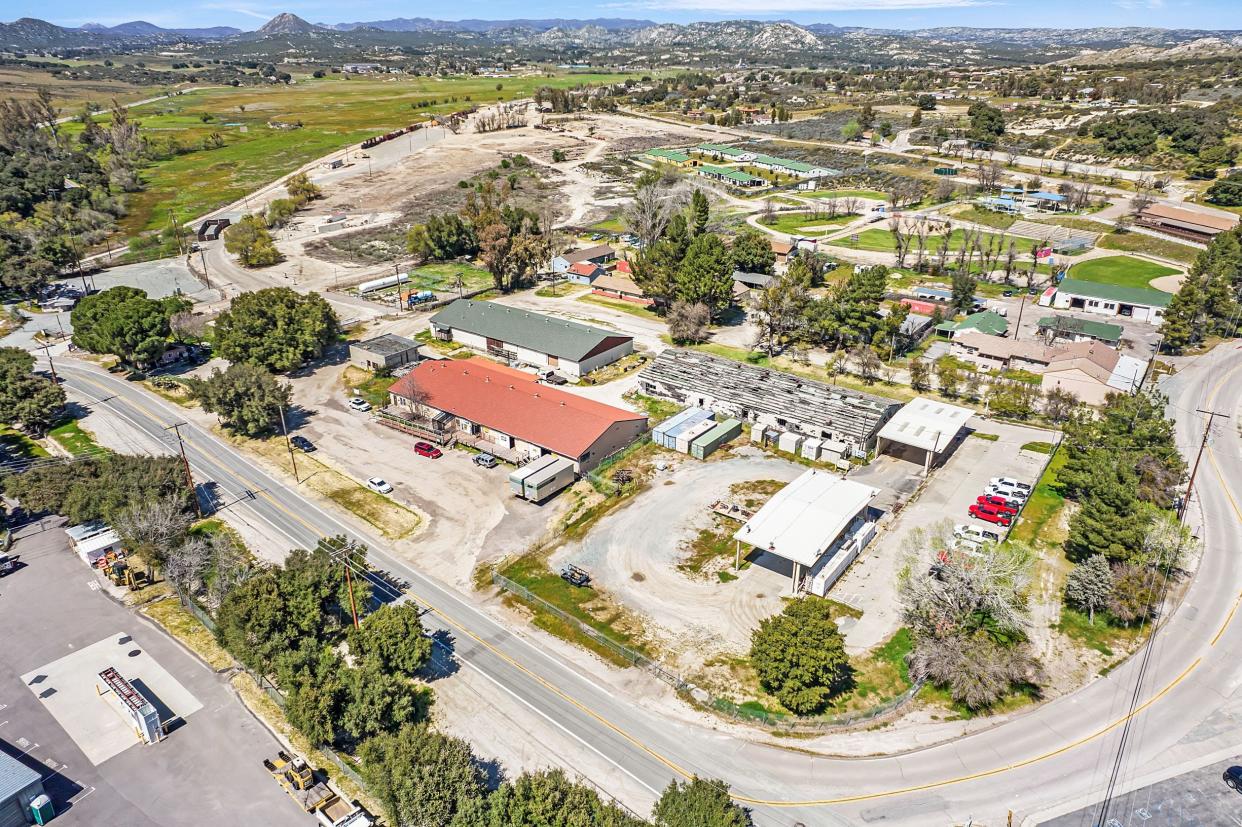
67, 688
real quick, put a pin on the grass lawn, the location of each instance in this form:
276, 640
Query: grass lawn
609, 225
442, 277
1140, 243
988, 218
800, 222
1103, 636
582, 603
369, 386
73, 439
882, 241
334, 111
1123, 271
657, 410
1040, 520
19, 446
559, 289
623, 306
874, 195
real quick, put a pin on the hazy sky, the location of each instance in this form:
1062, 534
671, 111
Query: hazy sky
249, 14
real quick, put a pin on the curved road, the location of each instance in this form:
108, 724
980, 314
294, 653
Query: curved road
1061, 752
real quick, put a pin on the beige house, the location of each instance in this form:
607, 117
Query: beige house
1089, 370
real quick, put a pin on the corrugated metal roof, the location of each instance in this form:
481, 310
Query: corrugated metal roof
14, 776
1115, 292
533, 331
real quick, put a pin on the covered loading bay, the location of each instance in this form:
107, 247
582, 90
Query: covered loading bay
924, 431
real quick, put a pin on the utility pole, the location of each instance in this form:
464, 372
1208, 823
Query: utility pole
342, 555
1017, 330
47, 350
202, 256
1207, 430
185, 463
285, 430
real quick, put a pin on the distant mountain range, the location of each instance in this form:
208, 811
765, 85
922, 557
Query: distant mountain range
766, 40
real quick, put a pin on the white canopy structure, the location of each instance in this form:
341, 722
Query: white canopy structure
927, 425
815, 516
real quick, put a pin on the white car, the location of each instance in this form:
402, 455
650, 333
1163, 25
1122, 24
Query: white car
359, 404
379, 485
1010, 482
1009, 492
975, 534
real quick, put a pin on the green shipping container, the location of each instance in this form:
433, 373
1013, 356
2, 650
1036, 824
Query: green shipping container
945, 170
703, 446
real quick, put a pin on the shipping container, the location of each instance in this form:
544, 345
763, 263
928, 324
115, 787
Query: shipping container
705, 445
668, 438
518, 476
690, 434
789, 442
545, 482
659, 432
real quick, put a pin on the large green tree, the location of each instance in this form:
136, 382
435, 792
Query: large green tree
544, 799
752, 252
800, 657
699, 802
705, 275
122, 321
394, 638
247, 398
27, 399
250, 241
99, 488
378, 701
421, 778
275, 328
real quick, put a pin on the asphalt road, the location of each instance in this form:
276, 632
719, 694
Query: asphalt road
1059, 754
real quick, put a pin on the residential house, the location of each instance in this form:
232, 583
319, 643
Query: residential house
985, 321
621, 286
600, 254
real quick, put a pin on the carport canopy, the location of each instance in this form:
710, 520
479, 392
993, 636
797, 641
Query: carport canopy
926, 424
804, 519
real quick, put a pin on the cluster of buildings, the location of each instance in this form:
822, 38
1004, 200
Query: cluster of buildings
1016, 201
1090, 370
599, 268
731, 165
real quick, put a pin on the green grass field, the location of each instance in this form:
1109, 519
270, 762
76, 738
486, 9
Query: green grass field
881, 240
1123, 271
334, 112
73, 439
875, 195
442, 277
802, 221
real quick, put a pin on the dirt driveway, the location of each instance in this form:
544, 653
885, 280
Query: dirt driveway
633, 555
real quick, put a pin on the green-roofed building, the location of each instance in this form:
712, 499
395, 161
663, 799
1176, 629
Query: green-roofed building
790, 167
723, 151
671, 156
517, 335
1138, 303
985, 321
1080, 330
733, 177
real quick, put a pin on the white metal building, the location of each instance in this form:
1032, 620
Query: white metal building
923, 431
819, 522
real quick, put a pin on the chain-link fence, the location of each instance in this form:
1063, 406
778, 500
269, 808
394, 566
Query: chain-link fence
638, 659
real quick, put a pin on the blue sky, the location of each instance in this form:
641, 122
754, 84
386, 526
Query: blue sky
249, 14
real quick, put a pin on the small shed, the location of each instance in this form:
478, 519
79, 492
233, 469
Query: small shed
665, 434
790, 442
705, 445
690, 434
384, 352
810, 448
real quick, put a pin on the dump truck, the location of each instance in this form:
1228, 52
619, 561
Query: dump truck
312, 794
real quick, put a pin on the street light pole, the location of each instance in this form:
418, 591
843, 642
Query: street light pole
47, 350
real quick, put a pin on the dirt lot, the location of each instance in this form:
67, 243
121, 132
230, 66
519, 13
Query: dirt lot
639, 554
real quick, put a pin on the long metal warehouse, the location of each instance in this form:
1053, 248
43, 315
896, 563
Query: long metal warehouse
768, 397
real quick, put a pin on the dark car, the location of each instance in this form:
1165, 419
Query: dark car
302, 444
1233, 778
426, 449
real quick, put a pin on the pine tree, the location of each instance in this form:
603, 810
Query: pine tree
1090, 585
699, 212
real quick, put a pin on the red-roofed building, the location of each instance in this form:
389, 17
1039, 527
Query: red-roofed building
584, 272
623, 266
513, 411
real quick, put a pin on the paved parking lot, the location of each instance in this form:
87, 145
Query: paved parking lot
871, 583
1198, 798
207, 771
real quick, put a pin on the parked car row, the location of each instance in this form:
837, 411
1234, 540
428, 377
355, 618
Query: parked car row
1000, 501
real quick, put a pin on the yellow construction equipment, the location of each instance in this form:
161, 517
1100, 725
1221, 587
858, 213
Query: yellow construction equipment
313, 795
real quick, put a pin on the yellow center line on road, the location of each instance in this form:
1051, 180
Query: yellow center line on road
679, 770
